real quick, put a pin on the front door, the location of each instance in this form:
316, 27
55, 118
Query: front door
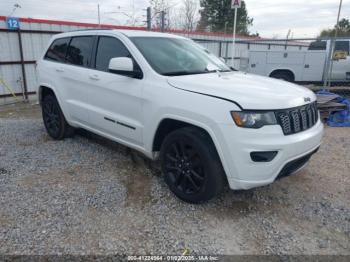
115, 99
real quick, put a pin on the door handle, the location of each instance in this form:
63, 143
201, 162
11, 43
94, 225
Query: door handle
59, 69
94, 77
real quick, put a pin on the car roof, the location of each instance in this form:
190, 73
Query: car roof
128, 33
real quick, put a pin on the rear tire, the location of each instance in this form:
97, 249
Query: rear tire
54, 120
191, 165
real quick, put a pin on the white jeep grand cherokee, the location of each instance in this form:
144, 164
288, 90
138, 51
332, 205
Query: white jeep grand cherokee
168, 97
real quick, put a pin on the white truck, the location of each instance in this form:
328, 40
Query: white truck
304, 66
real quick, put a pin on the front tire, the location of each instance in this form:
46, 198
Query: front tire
54, 120
191, 165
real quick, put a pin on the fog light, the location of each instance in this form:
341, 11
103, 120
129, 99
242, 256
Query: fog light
263, 156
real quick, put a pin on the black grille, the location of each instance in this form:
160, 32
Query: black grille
297, 119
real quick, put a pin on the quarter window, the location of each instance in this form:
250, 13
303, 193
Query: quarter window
79, 51
109, 47
57, 50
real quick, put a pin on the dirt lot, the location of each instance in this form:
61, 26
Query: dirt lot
86, 195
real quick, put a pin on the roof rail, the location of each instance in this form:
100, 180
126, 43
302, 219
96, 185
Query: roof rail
91, 29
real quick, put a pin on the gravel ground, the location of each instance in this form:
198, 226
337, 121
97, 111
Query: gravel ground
86, 195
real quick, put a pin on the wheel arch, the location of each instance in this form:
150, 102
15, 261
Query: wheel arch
283, 70
171, 123
44, 90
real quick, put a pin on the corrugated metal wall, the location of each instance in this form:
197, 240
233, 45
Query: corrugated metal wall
34, 43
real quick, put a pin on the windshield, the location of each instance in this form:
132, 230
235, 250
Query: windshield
176, 56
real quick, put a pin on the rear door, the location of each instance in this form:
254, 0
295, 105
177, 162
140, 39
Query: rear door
75, 74
341, 67
115, 99
50, 69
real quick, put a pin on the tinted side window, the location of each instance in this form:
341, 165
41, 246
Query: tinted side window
342, 46
79, 51
57, 50
109, 47
318, 45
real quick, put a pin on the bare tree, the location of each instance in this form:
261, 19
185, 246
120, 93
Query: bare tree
189, 11
131, 16
157, 7
185, 17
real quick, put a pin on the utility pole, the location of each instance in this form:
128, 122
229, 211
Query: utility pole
149, 19
162, 23
235, 4
333, 47
234, 38
98, 15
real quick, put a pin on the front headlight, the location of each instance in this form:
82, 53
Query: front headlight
253, 119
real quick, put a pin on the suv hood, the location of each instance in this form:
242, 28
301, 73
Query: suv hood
248, 90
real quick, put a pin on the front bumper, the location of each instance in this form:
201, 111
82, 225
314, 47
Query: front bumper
295, 165
237, 143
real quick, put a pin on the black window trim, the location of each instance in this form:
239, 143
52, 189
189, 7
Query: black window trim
94, 53
69, 42
91, 51
65, 55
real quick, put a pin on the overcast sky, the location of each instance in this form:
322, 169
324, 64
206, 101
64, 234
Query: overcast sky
271, 18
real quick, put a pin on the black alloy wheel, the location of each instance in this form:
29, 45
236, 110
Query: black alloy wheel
51, 117
184, 167
54, 121
191, 165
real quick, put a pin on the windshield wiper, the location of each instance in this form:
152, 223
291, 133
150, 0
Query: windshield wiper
180, 73
217, 70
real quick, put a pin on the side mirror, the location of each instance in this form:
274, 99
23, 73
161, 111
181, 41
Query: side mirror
124, 66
